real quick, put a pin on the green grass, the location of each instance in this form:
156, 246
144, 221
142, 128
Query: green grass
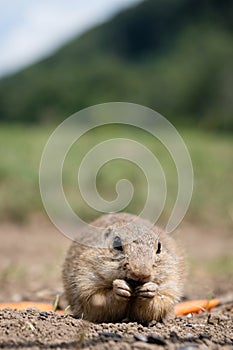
218, 266
13, 272
21, 149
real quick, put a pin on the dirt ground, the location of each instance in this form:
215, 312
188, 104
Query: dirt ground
31, 255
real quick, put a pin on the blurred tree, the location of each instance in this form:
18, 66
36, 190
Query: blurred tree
173, 56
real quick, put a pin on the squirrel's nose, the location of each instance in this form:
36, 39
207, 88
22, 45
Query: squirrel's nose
141, 276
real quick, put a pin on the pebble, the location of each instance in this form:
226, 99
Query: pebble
110, 335
174, 337
155, 339
140, 337
143, 346
159, 325
189, 335
204, 336
188, 347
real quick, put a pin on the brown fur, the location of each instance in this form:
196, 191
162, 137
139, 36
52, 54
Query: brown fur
96, 280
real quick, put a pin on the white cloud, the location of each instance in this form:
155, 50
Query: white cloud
31, 29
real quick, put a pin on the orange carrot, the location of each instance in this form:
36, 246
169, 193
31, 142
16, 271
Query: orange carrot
195, 306
184, 308
22, 305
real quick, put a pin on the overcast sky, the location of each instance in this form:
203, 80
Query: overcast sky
31, 29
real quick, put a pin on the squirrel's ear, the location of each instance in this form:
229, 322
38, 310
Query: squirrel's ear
108, 231
117, 244
159, 247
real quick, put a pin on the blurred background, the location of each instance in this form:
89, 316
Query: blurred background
58, 57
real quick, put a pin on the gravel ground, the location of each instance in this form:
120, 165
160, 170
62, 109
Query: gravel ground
31, 329
31, 256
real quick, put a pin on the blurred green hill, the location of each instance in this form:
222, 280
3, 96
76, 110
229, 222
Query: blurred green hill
173, 56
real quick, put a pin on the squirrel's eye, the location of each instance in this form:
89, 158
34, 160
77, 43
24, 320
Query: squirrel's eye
158, 251
117, 244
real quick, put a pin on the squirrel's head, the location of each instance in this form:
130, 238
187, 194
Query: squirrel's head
137, 258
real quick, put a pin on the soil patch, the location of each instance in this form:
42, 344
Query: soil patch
31, 329
31, 255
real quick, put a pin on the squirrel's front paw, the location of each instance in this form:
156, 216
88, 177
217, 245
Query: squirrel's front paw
121, 288
147, 290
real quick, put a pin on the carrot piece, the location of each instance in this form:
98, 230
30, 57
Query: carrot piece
195, 306
22, 305
184, 308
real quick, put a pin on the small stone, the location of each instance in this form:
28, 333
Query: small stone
140, 337
110, 335
189, 336
159, 325
142, 346
204, 336
188, 347
156, 339
174, 337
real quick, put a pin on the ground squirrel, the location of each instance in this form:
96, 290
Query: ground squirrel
139, 280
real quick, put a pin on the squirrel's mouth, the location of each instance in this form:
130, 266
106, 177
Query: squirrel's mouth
133, 283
